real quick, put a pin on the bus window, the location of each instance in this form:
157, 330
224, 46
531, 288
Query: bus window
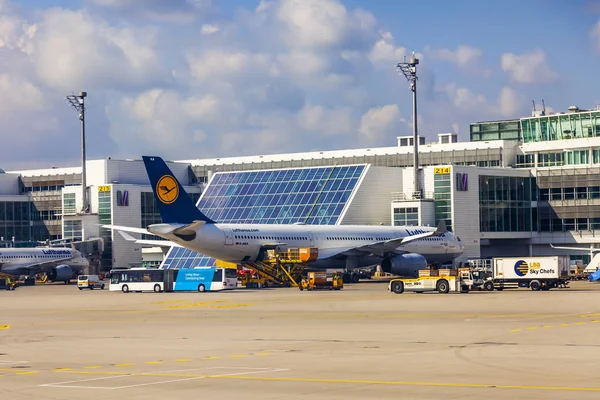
230, 273
218, 276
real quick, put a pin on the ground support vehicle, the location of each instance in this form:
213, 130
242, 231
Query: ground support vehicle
8, 282
320, 280
251, 279
89, 282
536, 273
441, 281
282, 267
201, 279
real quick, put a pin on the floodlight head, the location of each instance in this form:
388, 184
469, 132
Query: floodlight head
82, 94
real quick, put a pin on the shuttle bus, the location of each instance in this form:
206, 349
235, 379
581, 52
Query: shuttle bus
201, 279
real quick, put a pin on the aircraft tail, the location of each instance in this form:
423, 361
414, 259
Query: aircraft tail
174, 204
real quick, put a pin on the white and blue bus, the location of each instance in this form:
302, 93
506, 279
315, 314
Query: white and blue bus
201, 279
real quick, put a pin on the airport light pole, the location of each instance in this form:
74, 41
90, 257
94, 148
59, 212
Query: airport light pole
409, 69
78, 102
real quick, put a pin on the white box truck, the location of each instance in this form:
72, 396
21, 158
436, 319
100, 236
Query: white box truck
536, 273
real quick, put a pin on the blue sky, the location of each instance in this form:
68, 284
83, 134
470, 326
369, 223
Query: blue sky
199, 78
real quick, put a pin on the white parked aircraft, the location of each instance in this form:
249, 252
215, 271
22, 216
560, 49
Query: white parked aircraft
400, 250
59, 263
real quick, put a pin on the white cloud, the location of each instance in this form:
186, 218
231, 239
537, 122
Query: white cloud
511, 103
224, 64
528, 68
321, 23
385, 51
463, 98
465, 57
71, 49
382, 124
209, 29
336, 121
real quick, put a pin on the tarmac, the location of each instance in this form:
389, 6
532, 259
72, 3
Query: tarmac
57, 342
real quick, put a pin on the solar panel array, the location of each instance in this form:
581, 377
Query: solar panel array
315, 196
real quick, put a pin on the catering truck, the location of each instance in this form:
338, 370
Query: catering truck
536, 273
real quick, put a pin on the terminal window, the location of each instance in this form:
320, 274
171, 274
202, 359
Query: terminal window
73, 230
406, 216
69, 206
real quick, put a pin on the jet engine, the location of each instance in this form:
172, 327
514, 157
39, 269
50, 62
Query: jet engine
60, 273
407, 265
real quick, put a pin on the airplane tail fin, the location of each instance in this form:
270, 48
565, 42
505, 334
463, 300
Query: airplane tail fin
441, 228
173, 202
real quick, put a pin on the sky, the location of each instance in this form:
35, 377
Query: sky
185, 79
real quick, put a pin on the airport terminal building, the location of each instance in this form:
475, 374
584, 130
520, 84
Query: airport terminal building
515, 188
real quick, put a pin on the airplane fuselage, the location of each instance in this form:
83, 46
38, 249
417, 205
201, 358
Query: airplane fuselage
15, 259
243, 242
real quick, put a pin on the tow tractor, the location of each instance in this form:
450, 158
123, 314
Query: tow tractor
441, 281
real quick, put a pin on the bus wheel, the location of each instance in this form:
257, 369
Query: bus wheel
125, 289
201, 288
157, 288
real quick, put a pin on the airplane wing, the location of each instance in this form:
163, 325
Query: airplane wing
162, 243
127, 229
382, 247
593, 250
25, 268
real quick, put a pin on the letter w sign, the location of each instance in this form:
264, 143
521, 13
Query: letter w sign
462, 182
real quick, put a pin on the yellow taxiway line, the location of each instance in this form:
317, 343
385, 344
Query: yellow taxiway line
343, 381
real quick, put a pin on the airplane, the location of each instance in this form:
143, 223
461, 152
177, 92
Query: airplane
400, 250
59, 263
594, 263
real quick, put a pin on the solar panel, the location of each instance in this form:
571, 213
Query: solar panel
315, 196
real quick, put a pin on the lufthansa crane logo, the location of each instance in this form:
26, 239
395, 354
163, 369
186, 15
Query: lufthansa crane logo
167, 189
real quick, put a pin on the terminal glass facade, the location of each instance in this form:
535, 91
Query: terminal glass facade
571, 125
569, 199
505, 203
315, 196
104, 217
15, 217
443, 199
496, 130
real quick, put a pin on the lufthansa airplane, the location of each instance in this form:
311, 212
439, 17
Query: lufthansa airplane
59, 263
399, 250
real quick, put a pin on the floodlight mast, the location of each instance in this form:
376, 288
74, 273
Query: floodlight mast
409, 69
78, 103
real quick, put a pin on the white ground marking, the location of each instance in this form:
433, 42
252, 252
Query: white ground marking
69, 384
